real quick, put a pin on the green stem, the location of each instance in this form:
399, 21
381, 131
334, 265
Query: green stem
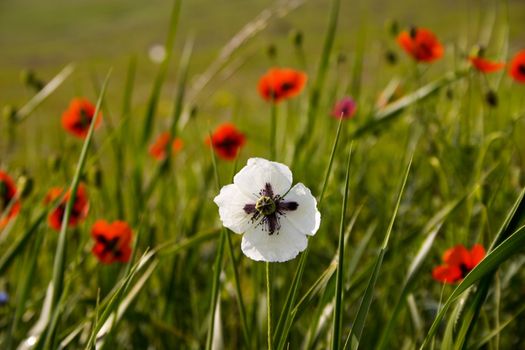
269, 305
273, 131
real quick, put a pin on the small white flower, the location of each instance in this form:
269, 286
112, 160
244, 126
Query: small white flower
274, 216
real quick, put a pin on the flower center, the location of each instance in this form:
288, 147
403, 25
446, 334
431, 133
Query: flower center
265, 205
521, 68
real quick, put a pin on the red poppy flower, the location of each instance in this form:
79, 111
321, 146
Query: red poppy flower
458, 262
421, 44
79, 210
345, 108
485, 66
77, 118
517, 67
281, 83
158, 149
7, 195
112, 241
227, 141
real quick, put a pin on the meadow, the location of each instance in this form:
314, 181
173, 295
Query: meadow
139, 208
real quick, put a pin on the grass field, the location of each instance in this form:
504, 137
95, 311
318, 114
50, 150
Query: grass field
432, 159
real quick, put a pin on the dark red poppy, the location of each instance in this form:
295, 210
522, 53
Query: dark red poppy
485, 66
517, 67
421, 44
458, 262
112, 241
77, 118
8, 199
345, 108
79, 210
227, 141
158, 149
281, 83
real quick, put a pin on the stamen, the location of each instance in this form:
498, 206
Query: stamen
249, 208
288, 206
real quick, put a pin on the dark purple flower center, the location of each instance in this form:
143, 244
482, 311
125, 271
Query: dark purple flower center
464, 270
521, 69
110, 245
268, 209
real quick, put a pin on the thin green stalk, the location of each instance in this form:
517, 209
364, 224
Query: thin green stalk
217, 266
286, 318
338, 316
269, 305
273, 131
355, 334
330, 162
161, 75
315, 94
60, 255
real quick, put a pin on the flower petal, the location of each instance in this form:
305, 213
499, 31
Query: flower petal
306, 218
258, 245
231, 202
258, 172
456, 256
447, 274
477, 253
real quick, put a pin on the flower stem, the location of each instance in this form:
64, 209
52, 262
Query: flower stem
269, 305
273, 131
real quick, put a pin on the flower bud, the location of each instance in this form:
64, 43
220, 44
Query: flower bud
271, 51
94, 176
297, 38
24, 185
392, 27
491, 98
54, 162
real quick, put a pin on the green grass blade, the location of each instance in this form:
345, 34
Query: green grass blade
338, 310
285, 317
43, 94
489, 264
16, 248
469, 318
318, 85
60, 255
360, 319
153, 101
394, 109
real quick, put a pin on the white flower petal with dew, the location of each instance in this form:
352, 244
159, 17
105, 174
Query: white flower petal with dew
277, 230
258, 172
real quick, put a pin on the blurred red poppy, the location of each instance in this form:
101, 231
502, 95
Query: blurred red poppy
79, 210
485, 66
158, 149
226, 140
8, 199
112, 241
421, 44
458, 262
77, 118
517, 67
344, 108
281, 83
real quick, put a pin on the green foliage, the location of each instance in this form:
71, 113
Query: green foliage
365, 277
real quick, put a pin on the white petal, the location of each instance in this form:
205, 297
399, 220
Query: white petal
231, 202
259, 245
258, 172
306, 218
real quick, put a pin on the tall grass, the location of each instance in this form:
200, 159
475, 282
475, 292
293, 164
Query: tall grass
431, 165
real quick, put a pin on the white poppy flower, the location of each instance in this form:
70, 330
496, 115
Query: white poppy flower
274, 216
